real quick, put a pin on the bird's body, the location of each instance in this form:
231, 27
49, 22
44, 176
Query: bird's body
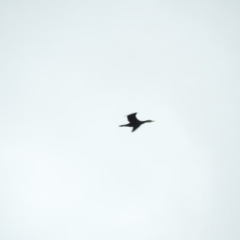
134, 122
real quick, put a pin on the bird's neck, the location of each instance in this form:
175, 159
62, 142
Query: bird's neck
146, 121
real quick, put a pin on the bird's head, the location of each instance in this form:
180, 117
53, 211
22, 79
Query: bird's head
149, 121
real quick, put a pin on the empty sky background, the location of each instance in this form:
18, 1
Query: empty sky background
70, 73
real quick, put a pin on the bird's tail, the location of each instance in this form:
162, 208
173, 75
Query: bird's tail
122, 125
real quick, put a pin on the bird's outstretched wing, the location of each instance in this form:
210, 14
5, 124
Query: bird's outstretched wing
134, 128
132, 118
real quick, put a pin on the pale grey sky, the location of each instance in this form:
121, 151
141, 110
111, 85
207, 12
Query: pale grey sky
70, 73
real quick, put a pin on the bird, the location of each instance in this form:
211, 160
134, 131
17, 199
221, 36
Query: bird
134, 122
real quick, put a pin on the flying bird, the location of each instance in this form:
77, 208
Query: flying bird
134, 122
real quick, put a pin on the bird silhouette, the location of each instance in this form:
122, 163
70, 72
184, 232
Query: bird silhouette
134, 122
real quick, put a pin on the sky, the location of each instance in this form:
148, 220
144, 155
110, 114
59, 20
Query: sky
70, 73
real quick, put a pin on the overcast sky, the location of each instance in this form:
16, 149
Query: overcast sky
70, 73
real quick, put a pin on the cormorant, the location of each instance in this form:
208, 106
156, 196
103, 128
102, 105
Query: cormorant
134, 122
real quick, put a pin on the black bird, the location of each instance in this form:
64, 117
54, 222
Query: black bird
134, 122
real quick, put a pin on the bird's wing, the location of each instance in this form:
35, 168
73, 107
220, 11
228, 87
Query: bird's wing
134, 128
132, 118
